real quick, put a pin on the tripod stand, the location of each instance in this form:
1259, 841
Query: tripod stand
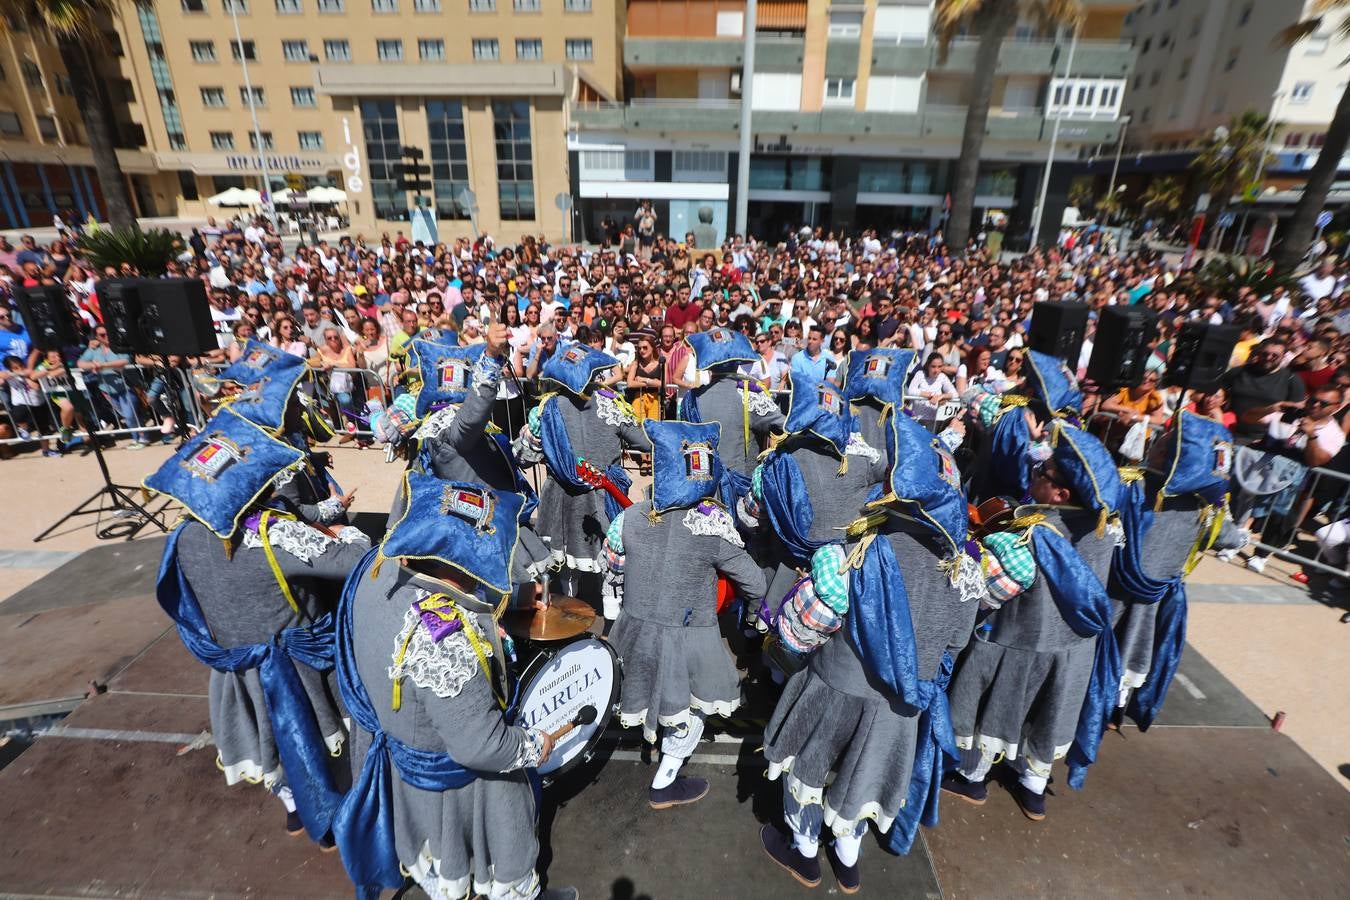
129, 516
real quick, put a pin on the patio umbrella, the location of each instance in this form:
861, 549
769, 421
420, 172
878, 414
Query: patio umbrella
231, 197
326, 195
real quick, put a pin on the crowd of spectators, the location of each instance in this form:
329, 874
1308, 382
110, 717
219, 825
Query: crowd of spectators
352, 306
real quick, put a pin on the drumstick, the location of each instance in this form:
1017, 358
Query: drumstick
585, 716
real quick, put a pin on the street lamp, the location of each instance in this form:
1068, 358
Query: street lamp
268, 207
1054, 141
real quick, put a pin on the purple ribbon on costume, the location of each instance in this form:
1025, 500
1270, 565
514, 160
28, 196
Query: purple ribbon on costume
439, 627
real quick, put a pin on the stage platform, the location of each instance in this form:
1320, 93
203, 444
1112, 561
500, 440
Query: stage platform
122, 797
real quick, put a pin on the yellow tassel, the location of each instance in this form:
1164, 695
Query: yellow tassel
229, 547
854, 560
1158, 501
653, 516
864, 524
1012, 400
1131, 474
379, 561
1026, 521
397, 700
745, 413
146, 496
1101, 522
843, 466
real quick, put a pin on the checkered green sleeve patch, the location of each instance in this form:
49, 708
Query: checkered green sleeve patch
831, 583
1017, 559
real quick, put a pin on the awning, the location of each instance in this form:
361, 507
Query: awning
781, 15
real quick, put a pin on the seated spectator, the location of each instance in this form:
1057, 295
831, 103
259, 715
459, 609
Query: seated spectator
1260, 389
929, 387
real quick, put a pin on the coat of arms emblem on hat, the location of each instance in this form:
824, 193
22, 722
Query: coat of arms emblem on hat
1223, 459
829, 400
454, 375
216, 454
876, 366
474, 507
574, 354
698, 460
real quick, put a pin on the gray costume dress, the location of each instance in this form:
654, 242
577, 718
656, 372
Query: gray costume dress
243, 604
462, 450
836, 499
483, 833
836, 725
1019, 691
722, 401
575, 521
868, 413
667, 633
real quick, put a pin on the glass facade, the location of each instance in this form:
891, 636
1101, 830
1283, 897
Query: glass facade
379, 122
449, 157
896, 176
515, 158
789, 173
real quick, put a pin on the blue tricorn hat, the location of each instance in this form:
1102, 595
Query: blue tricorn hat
685, 465
719, 347
446, 372
224, 469
1050, 382
880, 373
436, 336
818, 408
263, 400
573, 366
1087, 466
1199, 458
469, 527
926, 481
256, 358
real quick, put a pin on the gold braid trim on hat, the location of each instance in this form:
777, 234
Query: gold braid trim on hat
1131, 474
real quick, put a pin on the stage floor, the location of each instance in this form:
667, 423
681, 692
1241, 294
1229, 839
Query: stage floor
123, 798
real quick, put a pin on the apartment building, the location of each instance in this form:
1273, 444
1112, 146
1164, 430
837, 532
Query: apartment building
338, 86
857, 118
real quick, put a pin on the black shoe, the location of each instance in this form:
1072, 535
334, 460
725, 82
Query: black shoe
560, 893
782, 851
679, 792
293, 824
1031, 803
973, 792
849, 878
327, 844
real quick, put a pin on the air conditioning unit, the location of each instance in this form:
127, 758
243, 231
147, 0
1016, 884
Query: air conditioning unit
735, 82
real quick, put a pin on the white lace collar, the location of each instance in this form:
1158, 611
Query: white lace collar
716, 521
858, 446
443, 667
300, 540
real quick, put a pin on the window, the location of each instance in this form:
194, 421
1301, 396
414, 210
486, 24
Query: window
1086, 92
332, 6
222, 140
213, 97
527, 48
845, 23
259, 96
1139, 81
337, 50
1164, 42
1293, 139
699, 165
46, 127
525, 5
1232, 61
1155, 78
248, 51
303, 97
431, 49
579, 48
839, 91
486, 48
31, 73
427, 6
266, 140
482, 5
1302, 92
617, 164
1144, 116
1148, 42
311, 140
1185, 71
379, 123
1316, 43
177, 141
389, 50
449, 157
1110, 95
289, 7
515, 159
576, 5
194, 6
384, 6
235, 6
295, 51
1316, 140
1245, 16
9, 124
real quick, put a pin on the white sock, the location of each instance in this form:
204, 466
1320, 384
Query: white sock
1033, 782
666, 771
974, 770
847, 848
806, 845
287, 798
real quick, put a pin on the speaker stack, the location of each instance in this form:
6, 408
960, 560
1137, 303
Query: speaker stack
1201, 356
119, 300
175, 317
1057, 329
1120, 348
47, 316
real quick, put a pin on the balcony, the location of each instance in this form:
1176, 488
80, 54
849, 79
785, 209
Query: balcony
943, 123
772, 54
1091, 57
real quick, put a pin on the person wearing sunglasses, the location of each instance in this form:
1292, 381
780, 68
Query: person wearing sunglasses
1262, 388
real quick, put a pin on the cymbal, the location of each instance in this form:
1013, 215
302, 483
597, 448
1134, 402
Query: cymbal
563, 618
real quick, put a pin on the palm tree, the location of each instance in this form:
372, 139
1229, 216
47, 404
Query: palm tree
1230, 161
1162, 198
73, 26
1299, 232
990, 20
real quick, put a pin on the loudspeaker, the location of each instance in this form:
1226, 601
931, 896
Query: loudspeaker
1201, 356
176, 317
1057, 329
1120, 347
119, 300
47, 316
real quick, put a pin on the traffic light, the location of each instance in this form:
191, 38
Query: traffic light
412, 171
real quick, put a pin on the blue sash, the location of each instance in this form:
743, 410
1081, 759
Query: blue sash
788, 504
1008, 461
1082, 601
364, 824
688, 411
734, 486
935, 742
879, 623
1132, 583
522, 484
561, 460
295, 731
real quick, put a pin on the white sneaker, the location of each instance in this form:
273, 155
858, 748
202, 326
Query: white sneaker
1256, 563
1226, 555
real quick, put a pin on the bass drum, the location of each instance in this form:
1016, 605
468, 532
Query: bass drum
556, 685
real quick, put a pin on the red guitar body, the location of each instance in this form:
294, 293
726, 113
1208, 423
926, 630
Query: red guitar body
596, 477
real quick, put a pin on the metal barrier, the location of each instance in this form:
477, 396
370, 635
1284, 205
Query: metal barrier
348, 398
1103, 424
1281, 516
